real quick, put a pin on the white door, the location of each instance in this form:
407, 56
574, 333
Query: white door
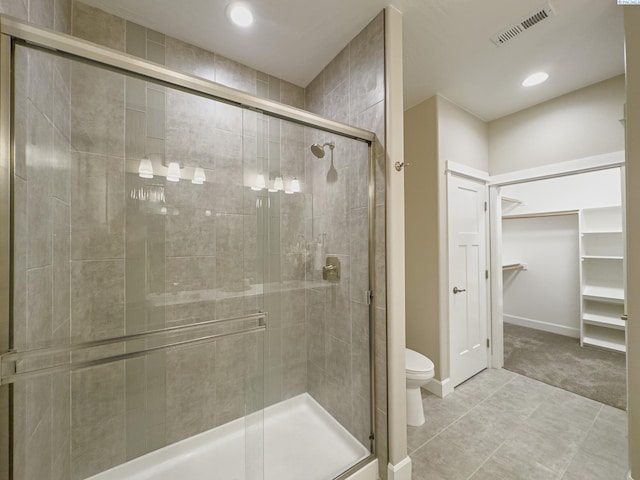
467, 280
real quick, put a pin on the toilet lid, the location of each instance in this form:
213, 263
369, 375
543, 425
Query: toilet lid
416, 362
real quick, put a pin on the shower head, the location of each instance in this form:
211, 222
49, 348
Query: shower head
318, 150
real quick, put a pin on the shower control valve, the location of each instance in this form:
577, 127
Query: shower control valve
331, 270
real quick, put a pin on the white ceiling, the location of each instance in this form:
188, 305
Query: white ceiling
446, 43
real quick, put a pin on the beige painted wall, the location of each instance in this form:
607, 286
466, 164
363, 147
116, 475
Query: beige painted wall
436, 130
462, 137
577, 125
421, 228
632, 34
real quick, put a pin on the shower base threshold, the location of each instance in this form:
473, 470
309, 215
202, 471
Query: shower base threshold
292, 440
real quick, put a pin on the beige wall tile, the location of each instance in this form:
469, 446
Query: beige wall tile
97, 299
39, 466
20, 229
314, 95
235, 75
229, 265
61, 187
61, 270
366, 65
337, 71
188, 130
291, 94
135, 39
337, 103
61, 426
97, 206
98, 26
230, 396
41, 12
338, 312
360, 353
97, 90
39, 171
193, 231
359, 253
15, 8
186, 274
39, 307
62, 15
317, 383
191, 391
230, 358
190, 59
293, 309
97, 420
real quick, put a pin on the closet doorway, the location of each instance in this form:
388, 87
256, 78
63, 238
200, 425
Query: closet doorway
560, 243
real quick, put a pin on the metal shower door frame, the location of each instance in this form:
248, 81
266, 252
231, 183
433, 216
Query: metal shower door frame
14, 31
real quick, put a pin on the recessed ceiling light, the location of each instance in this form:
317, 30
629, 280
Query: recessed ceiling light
240, 14
535, 79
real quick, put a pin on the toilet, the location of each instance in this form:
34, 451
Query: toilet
419, 371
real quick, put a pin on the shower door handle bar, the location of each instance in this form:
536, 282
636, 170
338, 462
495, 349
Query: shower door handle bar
32, 354
8, 361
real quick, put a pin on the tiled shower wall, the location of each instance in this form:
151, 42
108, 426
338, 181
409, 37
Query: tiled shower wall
41, 263
142, 403
351, 89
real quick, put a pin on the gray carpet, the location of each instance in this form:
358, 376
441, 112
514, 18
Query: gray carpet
561, 361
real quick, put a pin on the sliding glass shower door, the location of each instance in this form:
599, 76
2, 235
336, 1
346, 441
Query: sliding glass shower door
190, 283
136, 315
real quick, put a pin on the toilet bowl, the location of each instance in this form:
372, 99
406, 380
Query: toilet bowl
419, 370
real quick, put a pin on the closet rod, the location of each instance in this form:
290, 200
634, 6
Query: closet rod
538, 215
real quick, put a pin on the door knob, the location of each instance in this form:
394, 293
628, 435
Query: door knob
457, 290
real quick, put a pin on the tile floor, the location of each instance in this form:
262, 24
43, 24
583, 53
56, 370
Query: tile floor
500, 425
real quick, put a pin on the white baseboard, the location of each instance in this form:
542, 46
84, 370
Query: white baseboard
440, 388
544, 326
368, 472
400, 471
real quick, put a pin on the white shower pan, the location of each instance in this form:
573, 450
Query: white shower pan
292, 440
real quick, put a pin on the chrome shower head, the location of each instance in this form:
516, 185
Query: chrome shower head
318, 150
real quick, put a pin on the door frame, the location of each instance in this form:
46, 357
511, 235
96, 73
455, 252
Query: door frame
563, 169
454, 169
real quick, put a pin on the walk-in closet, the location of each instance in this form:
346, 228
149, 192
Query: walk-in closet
563, 282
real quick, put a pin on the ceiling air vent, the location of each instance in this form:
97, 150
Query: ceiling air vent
512, 31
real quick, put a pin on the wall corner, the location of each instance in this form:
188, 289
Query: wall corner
395, 247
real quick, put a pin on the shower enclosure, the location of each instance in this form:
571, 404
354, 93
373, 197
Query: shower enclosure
188, 285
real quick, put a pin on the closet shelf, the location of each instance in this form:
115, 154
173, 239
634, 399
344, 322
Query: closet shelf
511, 200
600, 232
603, 257
604, 294
514, 266
602, 282
604, 321
618, 346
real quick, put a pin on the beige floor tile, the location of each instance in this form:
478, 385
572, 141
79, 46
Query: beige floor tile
503, 426
500, 468
441, 458
585, 466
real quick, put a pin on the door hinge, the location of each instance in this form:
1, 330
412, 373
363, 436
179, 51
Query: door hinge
368, 297
485, 206
488, 343
486, 274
